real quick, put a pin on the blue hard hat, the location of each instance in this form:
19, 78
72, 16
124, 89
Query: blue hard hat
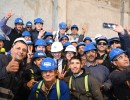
62, 25
74, 26
48, 64
87, 38
115, 52
38, 20
2, 38
49, 41
80, 44
40, 42
29, 42
26, 33
89, 47
29, 24
48, 34
18, 21
101, 38
39, 54
114, 39
63, 36
67, 44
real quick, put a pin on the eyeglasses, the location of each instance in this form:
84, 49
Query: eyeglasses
102, 43
29, 27
115, 42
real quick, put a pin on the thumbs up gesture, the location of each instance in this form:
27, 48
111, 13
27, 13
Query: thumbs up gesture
13, 66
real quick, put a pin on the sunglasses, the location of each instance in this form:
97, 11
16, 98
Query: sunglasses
115, 42
102, 43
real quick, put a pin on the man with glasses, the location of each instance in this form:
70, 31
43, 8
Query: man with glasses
115, 42
99, 72
120, 78
102, 55
28, 26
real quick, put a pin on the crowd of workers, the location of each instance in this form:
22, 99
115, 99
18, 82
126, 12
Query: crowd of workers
39, 65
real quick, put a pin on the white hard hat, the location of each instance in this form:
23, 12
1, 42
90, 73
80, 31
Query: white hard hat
98, 36
74, 41
70, 48
56, 47
19, 39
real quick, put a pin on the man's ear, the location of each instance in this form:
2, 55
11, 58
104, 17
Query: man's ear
114, 62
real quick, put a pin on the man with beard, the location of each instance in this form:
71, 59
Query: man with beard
12, 67
99, 72
121, 76
12, 33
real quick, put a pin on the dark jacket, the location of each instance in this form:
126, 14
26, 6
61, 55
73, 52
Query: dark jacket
121, 83
125, 42
26, 77
12, 34
78, 91
10, 81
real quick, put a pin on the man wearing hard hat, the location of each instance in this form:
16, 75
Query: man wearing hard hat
51, 87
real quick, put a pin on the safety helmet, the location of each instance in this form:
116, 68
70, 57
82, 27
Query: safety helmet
98, 36
26, 33
101, 38
80, 44
20, 39
49, 41
2, 38
18, 21
39, 54
48, 64
74, 26
115, 52
63, 36
62, 25
56, 47
89, 47
87, 38
29, 42
66, 44
70, 48
114, 39
29, 24
38, 20
40, 42
48, 34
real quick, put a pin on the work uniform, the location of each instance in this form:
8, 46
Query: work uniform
52, 95
78, 91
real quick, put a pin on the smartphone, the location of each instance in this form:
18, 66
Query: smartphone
109, 25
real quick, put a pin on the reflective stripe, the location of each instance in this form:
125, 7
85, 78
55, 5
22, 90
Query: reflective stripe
58, 88
70, 82
105, 56
32, 72
38, 88
86, 83
6, 91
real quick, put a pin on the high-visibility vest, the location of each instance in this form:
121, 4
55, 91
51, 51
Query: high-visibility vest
57, 88
85, 81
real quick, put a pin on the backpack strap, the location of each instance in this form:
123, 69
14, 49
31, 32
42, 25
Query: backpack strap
32, 72
38, 88
105, 56
58, 88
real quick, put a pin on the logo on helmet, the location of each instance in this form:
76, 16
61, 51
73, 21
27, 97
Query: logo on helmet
47, 64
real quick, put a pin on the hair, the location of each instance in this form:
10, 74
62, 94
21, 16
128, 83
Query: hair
76, 57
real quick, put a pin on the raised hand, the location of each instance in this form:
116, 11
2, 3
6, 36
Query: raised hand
9, 14
41, 33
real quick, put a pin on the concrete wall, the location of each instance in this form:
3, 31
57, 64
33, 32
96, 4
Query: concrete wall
90, 12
